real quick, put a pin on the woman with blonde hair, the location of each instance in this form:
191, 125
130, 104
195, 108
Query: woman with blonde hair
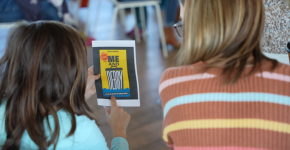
226, 94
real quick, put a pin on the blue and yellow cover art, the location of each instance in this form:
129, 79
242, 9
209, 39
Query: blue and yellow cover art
114, 73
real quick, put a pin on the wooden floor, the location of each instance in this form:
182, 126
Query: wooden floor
145, 128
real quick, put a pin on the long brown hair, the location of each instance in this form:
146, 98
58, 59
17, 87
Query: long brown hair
44, 69
223, 33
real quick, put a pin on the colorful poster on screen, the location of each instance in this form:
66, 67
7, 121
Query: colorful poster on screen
116, 62
114, 73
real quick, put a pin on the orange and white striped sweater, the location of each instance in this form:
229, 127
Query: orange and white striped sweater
202, 113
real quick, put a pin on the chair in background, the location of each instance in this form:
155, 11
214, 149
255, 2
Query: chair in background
74, 5
120, 6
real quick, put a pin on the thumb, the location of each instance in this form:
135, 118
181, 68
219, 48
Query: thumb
97, 76
108, 112
92, 79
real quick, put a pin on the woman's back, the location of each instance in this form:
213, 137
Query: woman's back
201, 111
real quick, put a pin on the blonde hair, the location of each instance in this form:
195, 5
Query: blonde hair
223, 33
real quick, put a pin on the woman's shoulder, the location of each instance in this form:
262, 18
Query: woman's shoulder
280, 73
281, 69
3, 107
2, 117
87, 134
2, 123
181, 71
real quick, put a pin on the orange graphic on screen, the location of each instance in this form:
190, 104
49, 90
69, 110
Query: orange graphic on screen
104, 57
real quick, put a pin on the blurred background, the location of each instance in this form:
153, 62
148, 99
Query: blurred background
149, 22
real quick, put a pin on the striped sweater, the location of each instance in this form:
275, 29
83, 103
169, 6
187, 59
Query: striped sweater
202, 113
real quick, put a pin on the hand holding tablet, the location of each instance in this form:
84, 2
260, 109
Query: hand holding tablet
115, 61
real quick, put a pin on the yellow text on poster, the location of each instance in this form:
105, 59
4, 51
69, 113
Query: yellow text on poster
111, 60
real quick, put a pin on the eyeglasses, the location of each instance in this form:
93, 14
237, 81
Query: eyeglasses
288, 47
178, 28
